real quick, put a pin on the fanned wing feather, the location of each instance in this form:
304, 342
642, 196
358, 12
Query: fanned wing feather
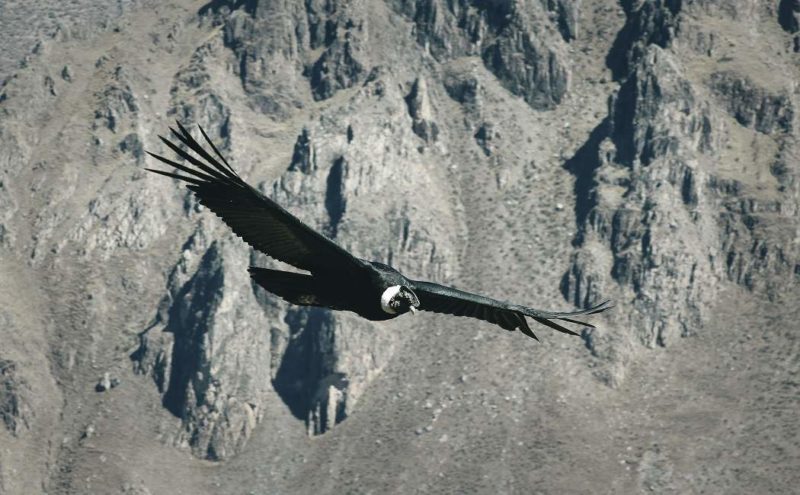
442, 299
258, 220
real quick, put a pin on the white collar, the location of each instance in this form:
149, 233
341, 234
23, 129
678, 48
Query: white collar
387, 297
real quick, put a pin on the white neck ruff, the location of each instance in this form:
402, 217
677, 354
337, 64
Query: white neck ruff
387, 297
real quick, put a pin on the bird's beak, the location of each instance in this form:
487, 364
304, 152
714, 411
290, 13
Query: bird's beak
413, 310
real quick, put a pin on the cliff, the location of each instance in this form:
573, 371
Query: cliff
549, 152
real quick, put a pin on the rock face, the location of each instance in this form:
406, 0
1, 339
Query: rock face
653, 188
789, 19
285, 50
515, 40
547, 152
751, 105
203, 345
14, 410
419, 108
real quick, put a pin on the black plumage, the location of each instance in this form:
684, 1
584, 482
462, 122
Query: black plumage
336, 279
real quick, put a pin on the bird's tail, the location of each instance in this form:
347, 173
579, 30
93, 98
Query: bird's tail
547, 317
296, 288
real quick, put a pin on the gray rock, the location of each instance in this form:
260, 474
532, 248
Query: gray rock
645, 162
789, 15
513, 40
484, 136
88, 432
645, 146
420, 111
752, 106
647, 23
267, 40
464, 88
567, 13
341, 64
104, 384
527, 66
117, 102
655, 471
15, 412
66, 73
217, 392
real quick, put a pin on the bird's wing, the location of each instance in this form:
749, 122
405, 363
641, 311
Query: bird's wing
442, 299
258, 220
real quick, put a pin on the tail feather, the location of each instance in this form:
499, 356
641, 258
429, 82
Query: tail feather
296, 288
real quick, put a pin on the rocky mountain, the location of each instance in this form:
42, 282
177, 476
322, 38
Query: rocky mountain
551, 152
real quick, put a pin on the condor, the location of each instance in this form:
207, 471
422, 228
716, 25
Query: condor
336, 279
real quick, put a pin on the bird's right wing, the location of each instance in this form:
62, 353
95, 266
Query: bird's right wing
443, 299
259, 221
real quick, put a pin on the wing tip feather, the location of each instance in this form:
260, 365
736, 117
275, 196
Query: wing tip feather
525, 329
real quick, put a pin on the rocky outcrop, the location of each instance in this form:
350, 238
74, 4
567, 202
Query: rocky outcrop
208, 348
339, 66
116, 221
7, 209
647, 23
567, 13
284, 50
751, 105
266, 53
419, 108
515, 40
654, 110
14, 409
789, 19
484, 137
643, 185
654, 215
463, 87
116, 102
525, 61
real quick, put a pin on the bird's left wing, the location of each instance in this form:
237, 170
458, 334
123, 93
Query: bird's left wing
258, 220
442, 299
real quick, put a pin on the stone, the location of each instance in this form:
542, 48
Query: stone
15, 412
104, 383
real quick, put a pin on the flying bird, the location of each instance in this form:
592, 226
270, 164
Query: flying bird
336, 279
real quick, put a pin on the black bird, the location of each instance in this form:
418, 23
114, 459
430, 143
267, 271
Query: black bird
336, 279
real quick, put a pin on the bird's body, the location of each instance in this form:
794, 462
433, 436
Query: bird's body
336, 279
359, 291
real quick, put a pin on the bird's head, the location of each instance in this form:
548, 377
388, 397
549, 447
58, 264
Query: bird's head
399, 299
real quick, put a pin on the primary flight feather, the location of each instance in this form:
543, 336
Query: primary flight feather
336, 279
